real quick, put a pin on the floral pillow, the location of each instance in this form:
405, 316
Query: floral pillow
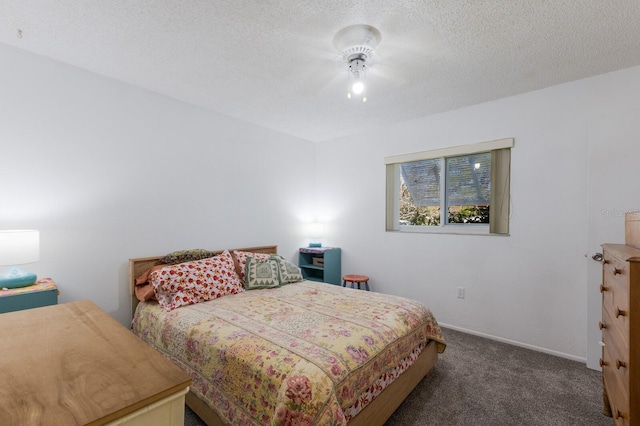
241, 258
289, 272
197, 281
261, 273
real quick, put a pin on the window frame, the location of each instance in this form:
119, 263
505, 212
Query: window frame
500, 189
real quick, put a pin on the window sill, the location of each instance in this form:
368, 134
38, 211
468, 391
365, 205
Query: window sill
448, 229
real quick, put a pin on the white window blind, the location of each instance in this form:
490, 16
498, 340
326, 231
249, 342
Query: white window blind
423, 181
469, 180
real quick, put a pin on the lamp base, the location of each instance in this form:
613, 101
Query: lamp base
17, 278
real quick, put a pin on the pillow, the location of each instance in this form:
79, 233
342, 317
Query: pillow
198, 281
241, 259
143, 288
187, 256
144, 292
261, 273
289, 272
143, 278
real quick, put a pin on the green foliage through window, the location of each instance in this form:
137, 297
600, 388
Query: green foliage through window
410, 214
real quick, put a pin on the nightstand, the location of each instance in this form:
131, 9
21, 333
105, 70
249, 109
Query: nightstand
322, 264
43, 293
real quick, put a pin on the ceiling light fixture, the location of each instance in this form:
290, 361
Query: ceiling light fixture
357, 44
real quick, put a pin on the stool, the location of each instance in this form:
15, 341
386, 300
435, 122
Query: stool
356, 279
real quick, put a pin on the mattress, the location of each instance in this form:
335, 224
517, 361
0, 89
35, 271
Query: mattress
304, 353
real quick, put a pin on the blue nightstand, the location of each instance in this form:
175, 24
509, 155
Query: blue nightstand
321, 264
43, 293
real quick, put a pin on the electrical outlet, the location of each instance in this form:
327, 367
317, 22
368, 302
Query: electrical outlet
460, 292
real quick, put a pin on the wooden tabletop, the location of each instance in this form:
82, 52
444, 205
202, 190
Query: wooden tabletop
73, 364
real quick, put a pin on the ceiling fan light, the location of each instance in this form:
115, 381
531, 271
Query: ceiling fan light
357, 44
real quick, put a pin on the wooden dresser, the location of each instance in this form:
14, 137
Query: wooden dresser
73, 364
620, 325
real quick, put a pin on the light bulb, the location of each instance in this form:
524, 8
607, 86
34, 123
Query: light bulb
358, 87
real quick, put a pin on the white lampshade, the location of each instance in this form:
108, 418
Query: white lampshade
18, 247
314, 231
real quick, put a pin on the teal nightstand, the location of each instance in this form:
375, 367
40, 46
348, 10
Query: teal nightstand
43, 293
321, 264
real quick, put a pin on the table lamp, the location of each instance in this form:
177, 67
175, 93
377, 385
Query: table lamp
18, 247
315, 232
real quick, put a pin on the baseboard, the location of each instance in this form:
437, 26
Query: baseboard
516, 343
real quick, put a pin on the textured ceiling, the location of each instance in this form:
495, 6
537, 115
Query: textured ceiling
273, 63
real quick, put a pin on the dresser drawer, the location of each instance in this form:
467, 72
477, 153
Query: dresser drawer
615, 314
615, 293
617, 384
616, 271
617, 358
615, 329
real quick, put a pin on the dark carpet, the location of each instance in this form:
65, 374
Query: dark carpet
478, 381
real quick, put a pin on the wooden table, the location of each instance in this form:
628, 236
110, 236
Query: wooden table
73, 364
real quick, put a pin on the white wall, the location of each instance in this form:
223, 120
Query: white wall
530, 287
107, 172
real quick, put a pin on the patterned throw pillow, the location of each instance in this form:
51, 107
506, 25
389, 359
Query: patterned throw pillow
261, 273
289, 272
186, 256
198, 281
242, 256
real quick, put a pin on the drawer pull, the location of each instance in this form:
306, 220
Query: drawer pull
620, 312
603, 363
617, 271
620, 364
603, 288
601, 325
605, 261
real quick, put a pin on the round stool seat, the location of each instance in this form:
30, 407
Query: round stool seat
355, 279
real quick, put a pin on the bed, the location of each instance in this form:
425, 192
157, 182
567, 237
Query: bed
300, 353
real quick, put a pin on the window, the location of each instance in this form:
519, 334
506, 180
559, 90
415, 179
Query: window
462, 189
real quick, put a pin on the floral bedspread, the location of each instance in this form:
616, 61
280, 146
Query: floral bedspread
304, 353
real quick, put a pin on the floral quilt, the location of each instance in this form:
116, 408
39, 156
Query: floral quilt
306, 353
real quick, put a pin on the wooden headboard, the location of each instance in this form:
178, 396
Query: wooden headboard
139, 265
